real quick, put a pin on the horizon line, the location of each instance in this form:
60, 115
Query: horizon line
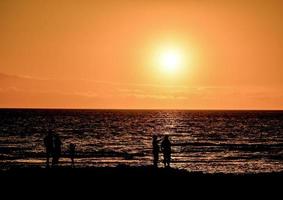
172, 109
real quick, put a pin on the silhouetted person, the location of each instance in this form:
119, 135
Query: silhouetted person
155, 151
48, 143
72, 151
166, 149
57, 149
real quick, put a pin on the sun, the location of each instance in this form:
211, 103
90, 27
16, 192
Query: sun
170, 60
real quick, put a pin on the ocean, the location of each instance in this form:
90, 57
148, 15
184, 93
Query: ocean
202, 141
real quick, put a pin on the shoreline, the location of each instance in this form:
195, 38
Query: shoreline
121, 171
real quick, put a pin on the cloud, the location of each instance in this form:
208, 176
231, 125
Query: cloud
17, 91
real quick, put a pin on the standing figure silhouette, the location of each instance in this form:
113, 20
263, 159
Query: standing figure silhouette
57, 150
166, 149
48, 143
72, 149
155, 151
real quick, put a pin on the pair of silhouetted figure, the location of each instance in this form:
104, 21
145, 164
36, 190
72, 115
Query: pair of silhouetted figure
165, 148
52, 144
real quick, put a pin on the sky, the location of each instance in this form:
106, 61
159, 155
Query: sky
104, 54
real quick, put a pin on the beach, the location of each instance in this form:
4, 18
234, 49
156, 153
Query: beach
202, 141
144, 172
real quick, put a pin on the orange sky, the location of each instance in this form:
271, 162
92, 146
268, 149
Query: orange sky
99, 54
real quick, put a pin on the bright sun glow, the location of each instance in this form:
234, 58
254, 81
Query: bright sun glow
170, 60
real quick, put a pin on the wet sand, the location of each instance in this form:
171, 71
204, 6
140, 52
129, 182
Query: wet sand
119, 172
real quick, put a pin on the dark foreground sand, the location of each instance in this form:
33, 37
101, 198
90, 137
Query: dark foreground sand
138, 180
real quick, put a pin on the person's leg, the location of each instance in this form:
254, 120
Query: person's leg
167, 160
57, 160
53, 161
155, 160
47, 160
73, 162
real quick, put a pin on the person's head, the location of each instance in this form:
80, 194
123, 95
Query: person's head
50, 132
166, 137
154, 137
56, 136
